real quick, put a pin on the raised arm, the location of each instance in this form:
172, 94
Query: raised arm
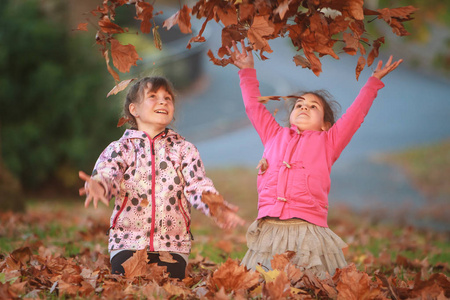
381, 71
262, 120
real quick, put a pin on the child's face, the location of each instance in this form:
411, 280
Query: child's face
155, 111
308, 114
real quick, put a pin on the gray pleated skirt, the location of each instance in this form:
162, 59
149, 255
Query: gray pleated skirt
317, 248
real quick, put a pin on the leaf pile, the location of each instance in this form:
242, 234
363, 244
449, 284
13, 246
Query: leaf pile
39, 265
315, 27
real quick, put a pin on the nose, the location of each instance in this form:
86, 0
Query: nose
304, 107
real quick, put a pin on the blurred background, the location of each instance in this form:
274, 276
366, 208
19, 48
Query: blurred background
55, 118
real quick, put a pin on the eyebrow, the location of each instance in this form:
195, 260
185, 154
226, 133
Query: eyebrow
303, 99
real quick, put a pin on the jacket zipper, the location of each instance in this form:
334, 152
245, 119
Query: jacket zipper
187, 221
152, 146
118, 214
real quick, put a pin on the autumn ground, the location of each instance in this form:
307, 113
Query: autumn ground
57, 250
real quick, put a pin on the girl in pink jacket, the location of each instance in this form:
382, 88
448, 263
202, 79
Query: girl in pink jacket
294, 178
155, 176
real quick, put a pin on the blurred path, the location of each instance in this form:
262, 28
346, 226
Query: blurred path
412, 110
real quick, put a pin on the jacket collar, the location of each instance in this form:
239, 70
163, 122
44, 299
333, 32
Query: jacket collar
137, 134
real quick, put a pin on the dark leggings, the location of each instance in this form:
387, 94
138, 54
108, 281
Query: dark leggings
176, 270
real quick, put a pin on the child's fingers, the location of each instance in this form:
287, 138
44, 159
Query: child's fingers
236, 49
82, 191
389, 61
84, 176
104, 200
244, 51
88, 201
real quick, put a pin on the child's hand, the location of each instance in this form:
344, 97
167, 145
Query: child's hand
242, 59
93, 190
229, 219
381, 71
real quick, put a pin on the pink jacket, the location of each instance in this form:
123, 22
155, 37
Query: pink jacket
297, 181
154, 182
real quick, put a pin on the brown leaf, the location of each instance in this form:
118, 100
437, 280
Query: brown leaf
110, 70
136, 265
301, 61
182, 18
260, 28
123, 56
157, 38
166, 257
360, 66
120, 87
316, 65
353, 284
351, 43
109, 27
122, 121
232, 277
82, 27
375, 50
225, 245
219, 62
282, 8
280, 288
22, 255
280, 261
144, 12
226, 14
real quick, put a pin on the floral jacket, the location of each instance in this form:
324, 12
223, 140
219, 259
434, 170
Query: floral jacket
155, 182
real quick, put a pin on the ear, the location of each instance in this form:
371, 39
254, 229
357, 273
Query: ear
132, 108
326, 126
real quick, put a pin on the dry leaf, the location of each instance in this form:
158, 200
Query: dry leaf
166, 257
123, 56
232, 277
120, 87
182, 18
137, 265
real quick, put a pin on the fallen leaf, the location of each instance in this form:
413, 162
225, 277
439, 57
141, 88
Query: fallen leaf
166, 257
232, 277
136, 265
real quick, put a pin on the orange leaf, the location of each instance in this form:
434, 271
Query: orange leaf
351, 43
109, 27
137, 264
122, 121
374, 52
227, 14
232, 277
360, 66
82, 27
182, 18
144, 12
166, 257
354, 284
110, 70
219, 62
282, 8
123, 56
120, 87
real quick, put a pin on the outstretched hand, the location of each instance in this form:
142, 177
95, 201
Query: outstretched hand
381, 71
93, 190
241, 59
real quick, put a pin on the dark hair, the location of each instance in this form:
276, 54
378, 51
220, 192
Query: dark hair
330, 107
136, 93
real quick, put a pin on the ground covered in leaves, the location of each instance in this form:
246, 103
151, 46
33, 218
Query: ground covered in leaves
59, 251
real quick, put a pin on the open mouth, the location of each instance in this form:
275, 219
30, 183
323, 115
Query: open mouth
161, 111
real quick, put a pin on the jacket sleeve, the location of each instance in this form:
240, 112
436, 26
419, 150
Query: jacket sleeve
263, 121
196, 182
110, 168
340, 134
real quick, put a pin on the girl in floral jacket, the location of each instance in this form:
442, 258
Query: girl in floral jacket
155, 176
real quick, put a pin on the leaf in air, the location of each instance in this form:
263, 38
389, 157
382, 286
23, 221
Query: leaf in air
360, 66
110, 70
282, 8
301, 61
144, 12
219, 62
182, 18
157, 38
375, 50
351, 43
109, 27
82, 27
120, 87
227, 15
122, 121
123, 56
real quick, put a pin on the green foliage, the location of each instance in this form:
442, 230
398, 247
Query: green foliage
54, 118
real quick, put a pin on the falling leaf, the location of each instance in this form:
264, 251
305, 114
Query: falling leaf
123, 56
122, 121
82, 27
110, 70
109, 27
374, 52
120, 87
360, 66
182, 18
157, 38
227, 14
301, 61
351, 43
282, 8
144, 12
